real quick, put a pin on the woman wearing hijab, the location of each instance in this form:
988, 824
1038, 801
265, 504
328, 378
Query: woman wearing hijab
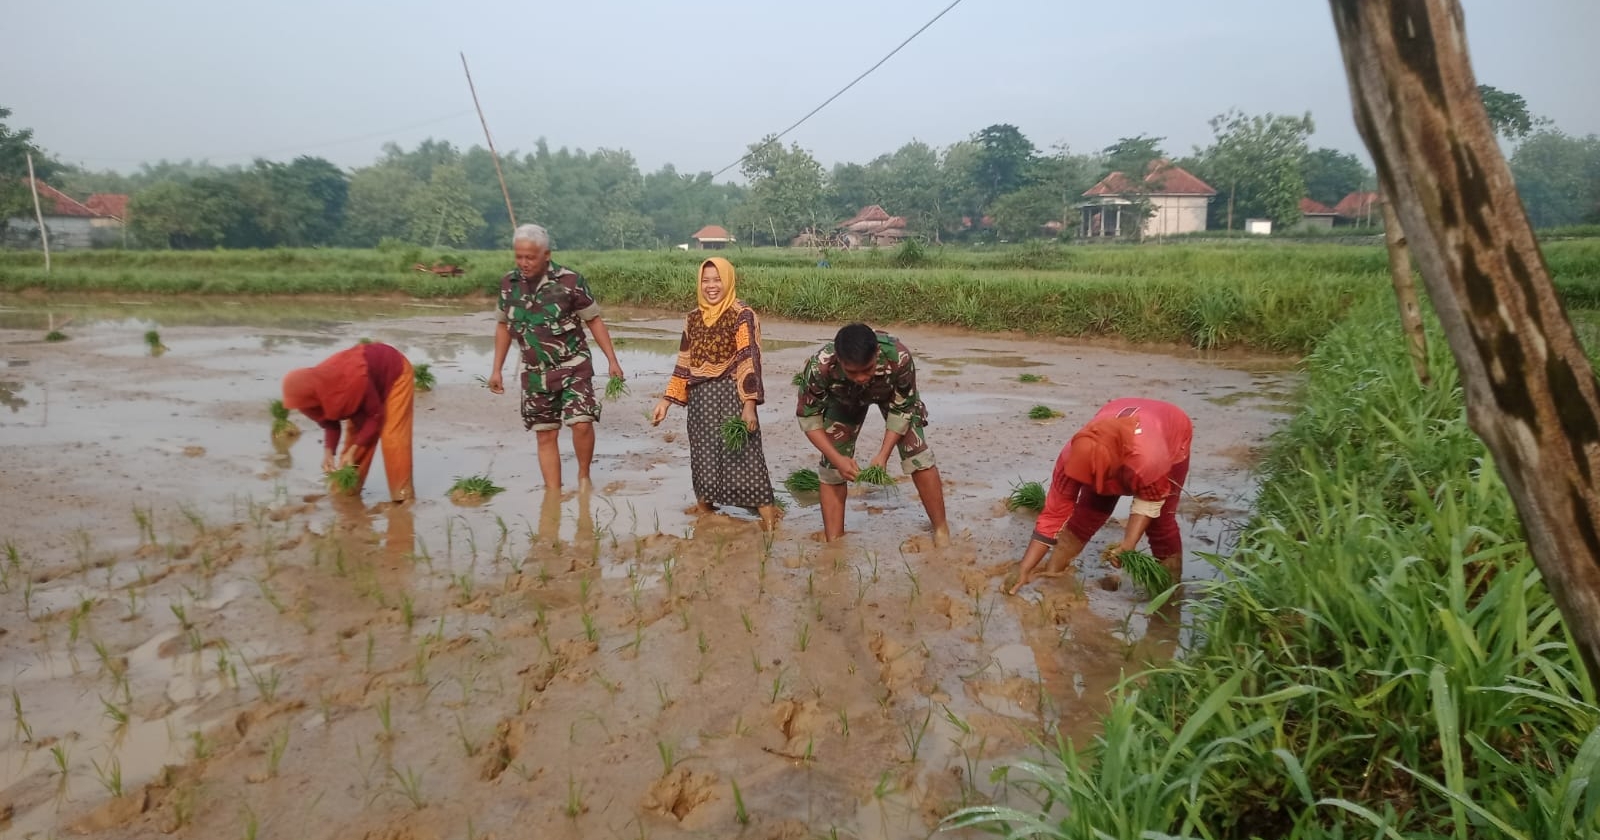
717, 377
371, 386
1132, 447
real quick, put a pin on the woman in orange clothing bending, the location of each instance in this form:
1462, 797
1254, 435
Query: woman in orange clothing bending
371, 386
1132, 447
718, 377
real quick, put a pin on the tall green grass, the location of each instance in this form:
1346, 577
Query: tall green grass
1259, 295
1379, 659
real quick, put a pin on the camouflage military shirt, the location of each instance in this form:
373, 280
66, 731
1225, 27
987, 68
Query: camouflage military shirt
547, 318
828, 395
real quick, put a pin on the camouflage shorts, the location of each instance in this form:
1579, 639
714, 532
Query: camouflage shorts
913, 448
563, 396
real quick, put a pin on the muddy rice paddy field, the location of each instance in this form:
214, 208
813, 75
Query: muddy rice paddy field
197, 641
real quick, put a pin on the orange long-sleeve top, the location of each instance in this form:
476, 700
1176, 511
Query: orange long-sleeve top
731, 347
1151, 438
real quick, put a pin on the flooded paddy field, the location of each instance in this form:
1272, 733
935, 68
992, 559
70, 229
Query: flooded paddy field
198, 640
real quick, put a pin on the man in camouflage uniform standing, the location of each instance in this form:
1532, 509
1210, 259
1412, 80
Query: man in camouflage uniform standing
858, 369
545, 307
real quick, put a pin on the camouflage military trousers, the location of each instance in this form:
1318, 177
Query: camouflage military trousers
844, 426
558, 396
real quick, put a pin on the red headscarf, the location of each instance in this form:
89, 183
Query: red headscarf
332, 390
1098, 451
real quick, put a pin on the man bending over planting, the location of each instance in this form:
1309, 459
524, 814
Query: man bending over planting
545, 307
1132, 447
858, 369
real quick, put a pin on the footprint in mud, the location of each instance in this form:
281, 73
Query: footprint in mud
540, 675
679, 793
800, 724
504, 749
901, 665
959, 613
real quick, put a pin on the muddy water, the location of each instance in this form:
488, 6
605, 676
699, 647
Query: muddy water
189, 620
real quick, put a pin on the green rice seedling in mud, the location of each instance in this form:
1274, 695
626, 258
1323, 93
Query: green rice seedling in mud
422, 378
344, 480
110, 775
1043, 412
473, 490
282, 426
739, 813
734, 434
385, 719
20, 725
1146, 572
1026, 495
799, 379
669, 756
152, 340
803, 481
1032, 377
574, 807
55, 336
410, 785
802, 638
616, 388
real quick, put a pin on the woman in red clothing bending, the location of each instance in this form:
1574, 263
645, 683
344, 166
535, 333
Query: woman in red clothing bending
1132, 447
371, 386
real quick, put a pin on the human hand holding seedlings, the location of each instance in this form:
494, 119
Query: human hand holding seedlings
616, 370
496, 383
1112, 555
659, 413
748, 414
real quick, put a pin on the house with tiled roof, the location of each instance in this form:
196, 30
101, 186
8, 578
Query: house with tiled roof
69, 222
1360, 208
1314, 215
711, 238
1177, 198
872, 225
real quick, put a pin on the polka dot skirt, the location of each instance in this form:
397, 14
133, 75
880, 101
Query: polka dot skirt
721, 476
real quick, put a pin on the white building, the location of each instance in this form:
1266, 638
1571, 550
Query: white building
1178, 198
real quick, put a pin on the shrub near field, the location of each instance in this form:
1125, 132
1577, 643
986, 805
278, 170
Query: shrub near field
1379, 659
1260, 295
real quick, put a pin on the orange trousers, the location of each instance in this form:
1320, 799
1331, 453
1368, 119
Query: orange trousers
395, 439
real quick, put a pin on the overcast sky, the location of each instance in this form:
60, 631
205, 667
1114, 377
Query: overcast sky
111, 84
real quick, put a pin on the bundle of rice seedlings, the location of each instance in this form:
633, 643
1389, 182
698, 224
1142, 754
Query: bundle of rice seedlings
1146, 572
55, 335
282, 426
799, 379
734, 433
1043, 412
1031, 377
422, 376
473, 489
344, 479
803, 481
1026, 495
616, 387
153, 340
875, 475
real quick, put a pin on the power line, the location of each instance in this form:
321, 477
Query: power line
842, 90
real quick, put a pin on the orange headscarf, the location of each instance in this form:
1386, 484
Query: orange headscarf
332, 390
1098, 450
709, 312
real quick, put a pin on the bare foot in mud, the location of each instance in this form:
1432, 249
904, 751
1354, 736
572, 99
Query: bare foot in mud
941, 536
700, 508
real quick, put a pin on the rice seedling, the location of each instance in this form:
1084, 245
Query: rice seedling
275, 749
152, 340
422, 378
616, 388
1031, 377
468, 745
803, 481
410, 783
803, 637
913, 732
20, 725
364, 340
344, 480
734, 433
55, 335
739, 812
1026, 495
385, 719
875, 475
282, 426
574, 807
1043, 412
1146, 572
799, 379
202, 747
668, 754
110, 776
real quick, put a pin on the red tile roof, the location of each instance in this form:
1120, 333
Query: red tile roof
1312, 207
114, 205
1164, 178
1358, 204
869, 213
711, 232
57, 203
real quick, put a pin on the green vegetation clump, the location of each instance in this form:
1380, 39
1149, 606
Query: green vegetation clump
1378, 657
55, 335
616, 387
1146, 572
875, 475
344, 479
282, 426
1042, 412
422, 376
803, 481
734, 433
1026, 495
473, 489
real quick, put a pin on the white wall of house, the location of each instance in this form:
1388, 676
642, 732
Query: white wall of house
66, 232
1176, 214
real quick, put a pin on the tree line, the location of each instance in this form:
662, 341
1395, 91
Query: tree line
995, 184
